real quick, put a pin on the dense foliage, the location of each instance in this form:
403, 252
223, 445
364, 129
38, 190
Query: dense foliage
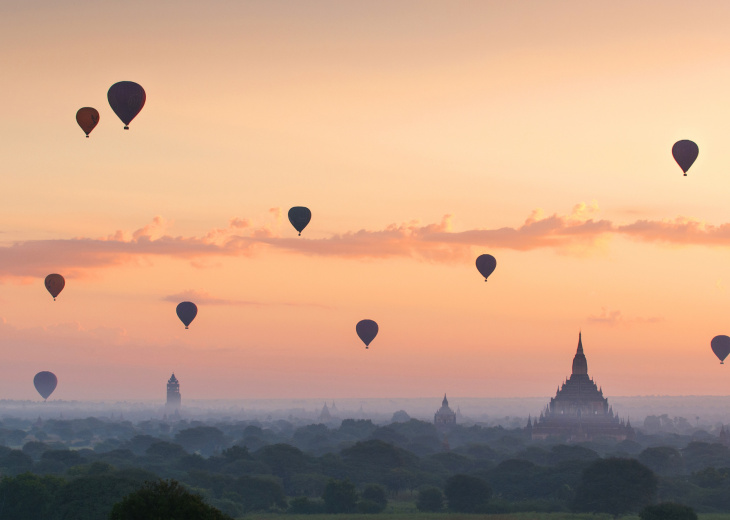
78, 469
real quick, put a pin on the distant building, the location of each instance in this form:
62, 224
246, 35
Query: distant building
579, 412
324, 415
173, 395
445, 416
724, 436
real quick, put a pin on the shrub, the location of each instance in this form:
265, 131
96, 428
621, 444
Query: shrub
430, 499
668, 511
467, 494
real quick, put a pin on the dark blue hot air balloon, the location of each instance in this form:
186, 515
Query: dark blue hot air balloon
721, 347
367, 330
126, 99
299, 216
685, 152
486, 265
45, 382
186, 311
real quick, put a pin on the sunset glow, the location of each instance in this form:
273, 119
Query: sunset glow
420, 135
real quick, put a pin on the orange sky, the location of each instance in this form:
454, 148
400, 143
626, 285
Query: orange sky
420, 134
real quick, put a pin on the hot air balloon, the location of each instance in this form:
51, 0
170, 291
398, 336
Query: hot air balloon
55, 284
721, 347
126, 99
45, 383
299, 216
186, 311
367, 330
486, 265
87, 118
685, 152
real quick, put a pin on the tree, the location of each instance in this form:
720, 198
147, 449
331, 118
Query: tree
340, 496
373, 500
304, 506
467, 494
615, 486
27, 496
92, 496
662, 460
34, 449
203, 439
258, 494
430, 500
668, 511
164, 499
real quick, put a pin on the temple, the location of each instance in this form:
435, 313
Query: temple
579, 412
173, 395
325, 415
445, 416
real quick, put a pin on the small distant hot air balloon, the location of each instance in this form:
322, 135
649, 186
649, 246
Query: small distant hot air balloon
685, 152
87, 118
186, 311
486, 265
367, 330
126, 99
45, 383
55, 284
299, 216
721, 347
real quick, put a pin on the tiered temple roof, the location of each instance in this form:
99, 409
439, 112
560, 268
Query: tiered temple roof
445, 416
579, 411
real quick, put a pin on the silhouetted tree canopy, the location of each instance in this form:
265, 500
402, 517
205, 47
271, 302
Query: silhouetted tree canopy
615, 486
340, 496
668, 511
430, 500
467, 494
164, 499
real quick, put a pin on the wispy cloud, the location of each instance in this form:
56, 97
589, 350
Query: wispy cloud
578, 232
204, 298
615, 318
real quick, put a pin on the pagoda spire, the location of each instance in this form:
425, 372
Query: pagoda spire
580, 364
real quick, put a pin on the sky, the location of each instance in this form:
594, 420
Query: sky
421, 135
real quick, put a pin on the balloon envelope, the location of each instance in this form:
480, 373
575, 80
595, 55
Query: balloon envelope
87, 118
685, 152
486, 265
45, 383
187, 311
721, 347
367, 330
126, 99
299, 216
55, 284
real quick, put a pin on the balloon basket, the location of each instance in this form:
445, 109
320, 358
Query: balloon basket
87, 136
126, 128
186, 327
685, 174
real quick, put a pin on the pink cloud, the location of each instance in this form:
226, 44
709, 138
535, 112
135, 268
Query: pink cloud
437, 242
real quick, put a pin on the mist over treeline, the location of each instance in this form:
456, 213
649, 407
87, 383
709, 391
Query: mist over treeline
288, 457
700, 411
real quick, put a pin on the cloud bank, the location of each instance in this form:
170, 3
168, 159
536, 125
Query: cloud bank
577, 231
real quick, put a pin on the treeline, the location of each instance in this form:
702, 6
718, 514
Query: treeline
240, 468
